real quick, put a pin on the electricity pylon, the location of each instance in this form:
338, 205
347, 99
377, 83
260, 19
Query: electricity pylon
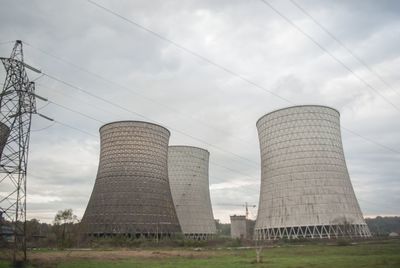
17, 104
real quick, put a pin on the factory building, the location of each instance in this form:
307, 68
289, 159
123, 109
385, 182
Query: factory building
131, 195
306, 190
189, 182
241, 227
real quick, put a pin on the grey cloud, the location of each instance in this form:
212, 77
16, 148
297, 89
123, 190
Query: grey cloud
245, 36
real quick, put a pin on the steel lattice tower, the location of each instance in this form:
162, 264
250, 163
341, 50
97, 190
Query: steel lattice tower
17, 104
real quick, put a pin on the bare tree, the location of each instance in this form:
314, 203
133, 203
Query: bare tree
64, 218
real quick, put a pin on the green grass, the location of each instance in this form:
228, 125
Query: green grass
242, 262
365, 255
378, 254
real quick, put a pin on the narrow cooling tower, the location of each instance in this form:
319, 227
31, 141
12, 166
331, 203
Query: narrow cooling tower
188, 175
306, 190
131, 195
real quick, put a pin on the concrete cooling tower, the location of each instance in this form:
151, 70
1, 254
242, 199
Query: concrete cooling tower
306, 190
188, 175
131, 195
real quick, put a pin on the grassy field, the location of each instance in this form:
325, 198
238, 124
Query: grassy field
372, 254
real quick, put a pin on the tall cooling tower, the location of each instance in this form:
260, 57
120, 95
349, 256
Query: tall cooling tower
188, 175
131, 195
306, 190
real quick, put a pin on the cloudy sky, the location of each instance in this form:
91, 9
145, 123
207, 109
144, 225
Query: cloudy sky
219, 66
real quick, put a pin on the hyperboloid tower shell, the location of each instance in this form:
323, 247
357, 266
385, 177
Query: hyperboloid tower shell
306, 190
131, 195
188, 175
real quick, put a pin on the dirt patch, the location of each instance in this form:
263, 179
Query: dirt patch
52, 258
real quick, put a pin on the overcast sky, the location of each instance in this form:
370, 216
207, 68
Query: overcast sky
202, 104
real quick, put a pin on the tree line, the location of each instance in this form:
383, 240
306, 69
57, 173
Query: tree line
65, 230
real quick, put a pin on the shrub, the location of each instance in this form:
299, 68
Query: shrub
343, 242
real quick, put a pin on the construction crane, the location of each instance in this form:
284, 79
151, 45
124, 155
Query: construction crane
245, 205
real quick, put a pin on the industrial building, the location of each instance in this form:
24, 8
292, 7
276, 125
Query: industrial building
241, 227
306, 190
131, 195
189, 182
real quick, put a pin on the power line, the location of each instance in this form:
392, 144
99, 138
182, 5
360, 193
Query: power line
211, 162
234, 171
329, 53
343, 45
102, 122
147, 118
44, 106
94, 119
6, 42
65, 124
77, 112
75, 99
123, 108
371, 141
189, 51
97, 120
44, 128
92, 135
224, 167
84, 70
74, 128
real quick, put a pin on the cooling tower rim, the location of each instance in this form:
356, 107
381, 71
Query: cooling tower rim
296, 106
188, 146
134, 121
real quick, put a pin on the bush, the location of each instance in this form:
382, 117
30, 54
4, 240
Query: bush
343, 242
233, 243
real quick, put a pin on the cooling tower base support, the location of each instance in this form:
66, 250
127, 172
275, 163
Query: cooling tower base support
146, 236
199, 236
314, 232
152, 236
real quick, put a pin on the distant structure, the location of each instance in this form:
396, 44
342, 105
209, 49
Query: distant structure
306, 190
188, 176
131, 195
393, 234
238, 227
241, 227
